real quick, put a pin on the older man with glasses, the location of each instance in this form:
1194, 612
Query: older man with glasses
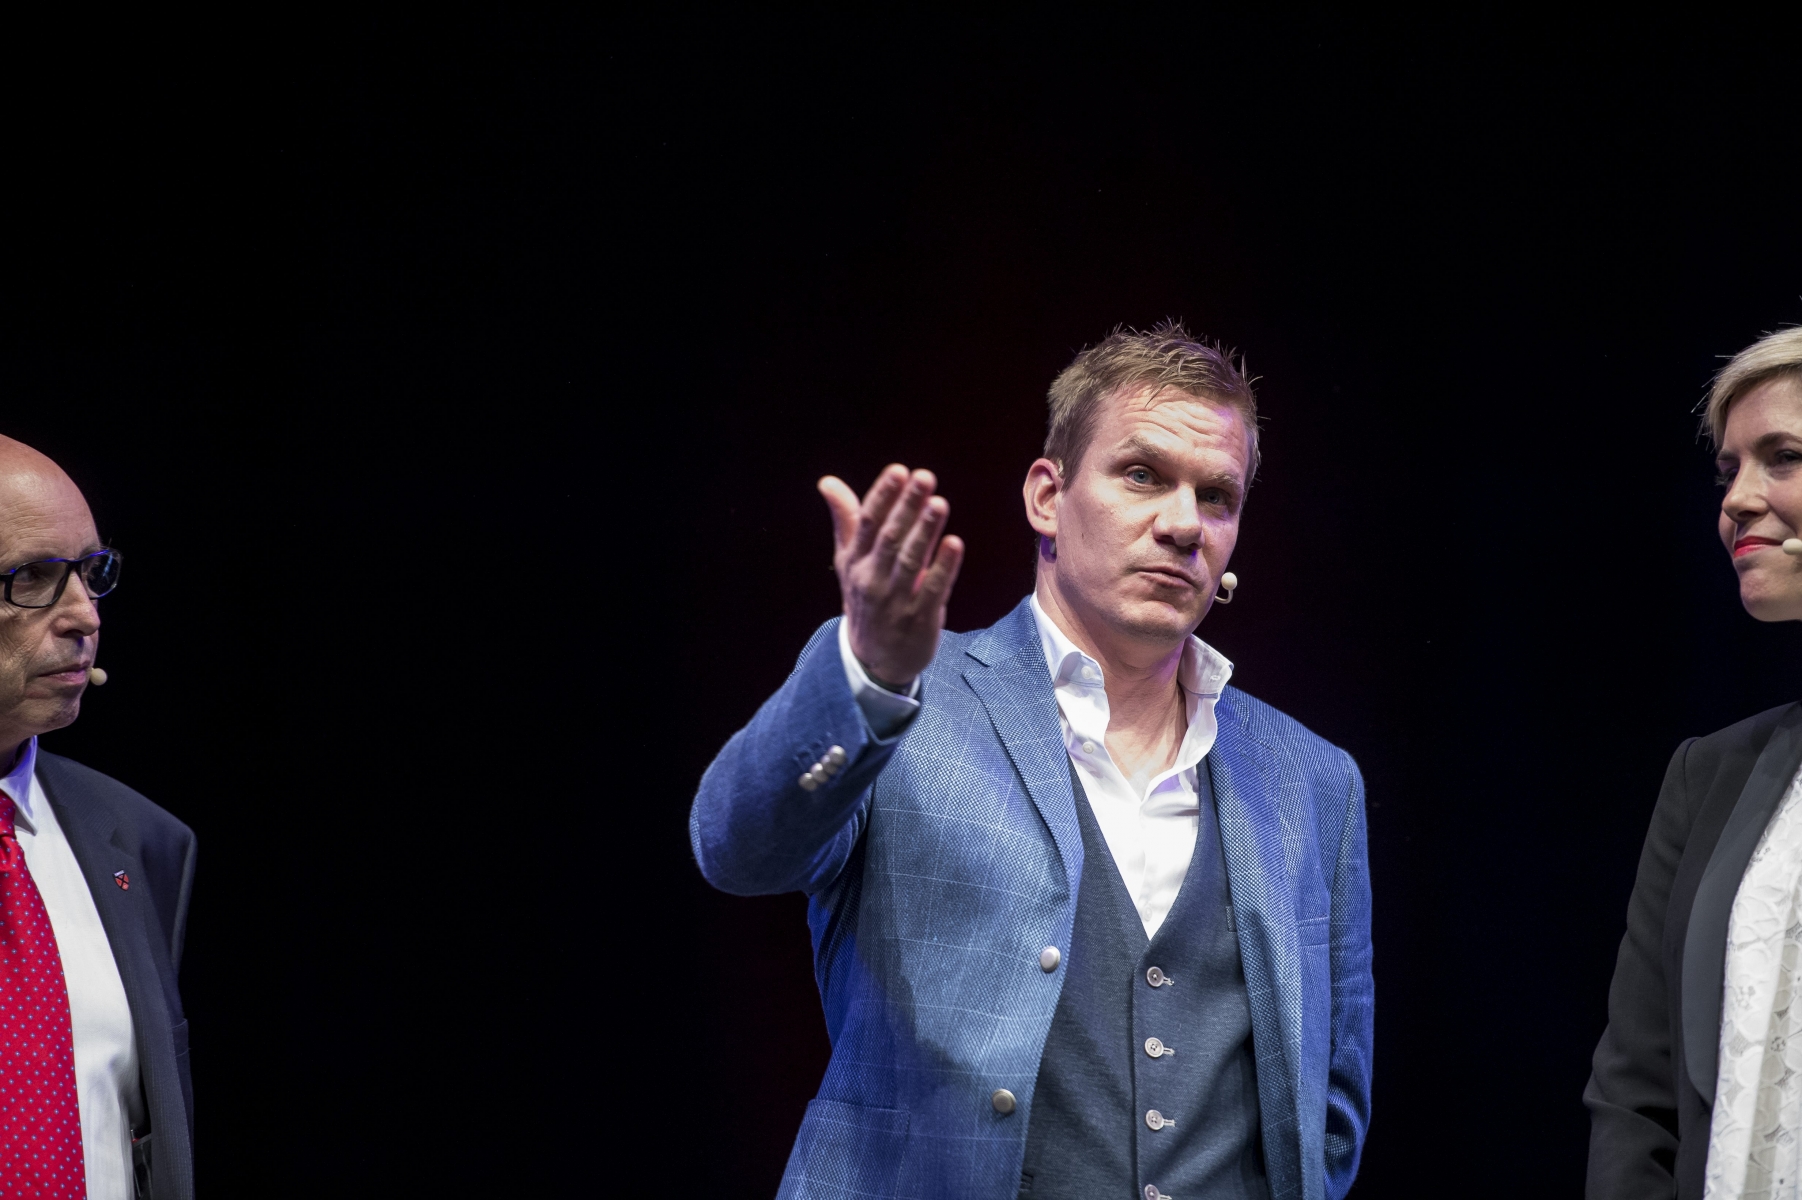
95, 1095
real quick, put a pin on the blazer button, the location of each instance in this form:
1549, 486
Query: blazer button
1003, 1100
1049, 957
835, 757
808, 782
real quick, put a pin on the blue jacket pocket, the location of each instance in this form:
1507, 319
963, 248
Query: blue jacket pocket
846, 1150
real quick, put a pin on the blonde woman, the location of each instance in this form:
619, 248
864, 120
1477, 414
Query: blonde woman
1697, 1083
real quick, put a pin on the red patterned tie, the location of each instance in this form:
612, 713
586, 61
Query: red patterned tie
40, 1122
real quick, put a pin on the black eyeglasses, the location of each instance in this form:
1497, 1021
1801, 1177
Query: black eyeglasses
40, 584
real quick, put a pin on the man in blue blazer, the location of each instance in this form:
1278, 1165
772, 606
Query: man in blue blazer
1086, 920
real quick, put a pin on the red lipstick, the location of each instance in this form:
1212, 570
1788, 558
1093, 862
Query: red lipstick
1750, 543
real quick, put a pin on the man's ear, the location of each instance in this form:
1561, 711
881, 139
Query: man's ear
1042, 490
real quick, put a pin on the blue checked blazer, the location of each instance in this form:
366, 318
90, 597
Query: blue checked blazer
939, 863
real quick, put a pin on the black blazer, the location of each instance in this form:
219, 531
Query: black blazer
139, 864
1651, 1092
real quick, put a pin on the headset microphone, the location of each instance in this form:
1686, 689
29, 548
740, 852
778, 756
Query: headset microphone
1792, 546
97, 677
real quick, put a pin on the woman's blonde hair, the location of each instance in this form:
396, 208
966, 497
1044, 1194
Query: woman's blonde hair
1770, 356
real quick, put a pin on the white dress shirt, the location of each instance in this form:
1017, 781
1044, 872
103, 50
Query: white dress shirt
1753, 1147
106, 1056
1151, 834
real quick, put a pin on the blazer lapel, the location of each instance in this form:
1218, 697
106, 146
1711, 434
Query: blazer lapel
1705, 941
144, 966
1014, 684
1244, 774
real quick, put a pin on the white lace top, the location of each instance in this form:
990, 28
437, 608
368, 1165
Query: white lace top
1755, 1135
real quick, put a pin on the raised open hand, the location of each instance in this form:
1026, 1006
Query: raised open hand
894, 570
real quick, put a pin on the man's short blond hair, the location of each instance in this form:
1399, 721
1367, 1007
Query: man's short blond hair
1774, 355
1167, 356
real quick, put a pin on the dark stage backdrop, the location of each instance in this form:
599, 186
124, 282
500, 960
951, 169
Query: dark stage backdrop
457, 391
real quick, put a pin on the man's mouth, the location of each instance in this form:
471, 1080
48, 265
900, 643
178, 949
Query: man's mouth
73, 673
1749, 543
1170, 576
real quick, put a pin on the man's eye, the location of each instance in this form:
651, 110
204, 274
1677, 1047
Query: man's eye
1139, 475
1213, 496
1724, 478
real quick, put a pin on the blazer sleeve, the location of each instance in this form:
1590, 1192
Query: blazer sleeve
1631, 1094
1354, 995
178, 933
753, 828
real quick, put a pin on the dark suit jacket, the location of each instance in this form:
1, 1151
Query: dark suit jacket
112, 829
1651, 1092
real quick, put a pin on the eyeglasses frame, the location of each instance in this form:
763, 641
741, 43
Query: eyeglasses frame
62, 585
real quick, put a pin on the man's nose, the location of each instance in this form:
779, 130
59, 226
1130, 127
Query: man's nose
1180, 520
76, 612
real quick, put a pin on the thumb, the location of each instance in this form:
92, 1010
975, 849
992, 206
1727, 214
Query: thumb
842, 501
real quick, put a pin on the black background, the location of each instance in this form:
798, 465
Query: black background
456, 392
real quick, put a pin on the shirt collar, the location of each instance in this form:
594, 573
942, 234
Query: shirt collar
1203, 671
17, 782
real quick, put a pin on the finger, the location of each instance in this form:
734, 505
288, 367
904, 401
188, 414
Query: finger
943, 572
901, 519
876, 505
916, 549
842, 502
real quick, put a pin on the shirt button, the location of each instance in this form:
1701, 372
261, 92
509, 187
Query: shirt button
1156, 977
1154, 1120
1090, 673
1049, 957
1003, 1100
1088, 747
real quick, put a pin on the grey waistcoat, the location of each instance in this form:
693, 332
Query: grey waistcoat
1089, 1137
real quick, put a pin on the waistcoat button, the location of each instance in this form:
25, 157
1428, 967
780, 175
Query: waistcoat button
1049, 957
1156, 978
1155, 1120
1003, 1100
1156, 1048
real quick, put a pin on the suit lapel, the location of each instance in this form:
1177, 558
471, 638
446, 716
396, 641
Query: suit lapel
1010, 678
1244, 775
100, 850
1705, 941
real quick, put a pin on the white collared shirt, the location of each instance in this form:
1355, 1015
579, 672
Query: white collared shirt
1151, 835
106, 1055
